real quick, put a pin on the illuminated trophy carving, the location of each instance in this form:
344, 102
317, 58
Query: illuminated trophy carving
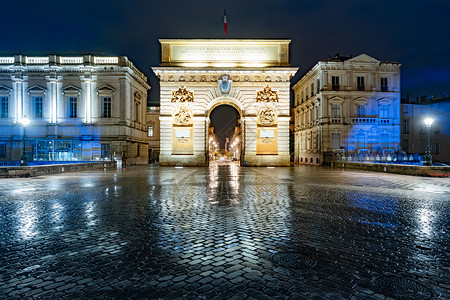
225, 85
267, 95
182, 95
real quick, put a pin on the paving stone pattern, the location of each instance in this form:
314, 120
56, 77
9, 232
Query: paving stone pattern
212, 233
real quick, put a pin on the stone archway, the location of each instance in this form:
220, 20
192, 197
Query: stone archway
235, 145
196, 76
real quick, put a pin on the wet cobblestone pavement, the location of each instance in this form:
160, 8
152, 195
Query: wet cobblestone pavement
225, 232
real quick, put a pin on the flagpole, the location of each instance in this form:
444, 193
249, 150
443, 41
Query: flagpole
225, 23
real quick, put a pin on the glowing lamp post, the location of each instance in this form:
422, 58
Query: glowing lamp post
427, 159
23, 158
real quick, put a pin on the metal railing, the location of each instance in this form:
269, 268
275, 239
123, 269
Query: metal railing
392, 158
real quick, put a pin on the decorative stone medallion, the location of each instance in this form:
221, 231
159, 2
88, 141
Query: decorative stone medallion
224, 85
267, 116
182, 115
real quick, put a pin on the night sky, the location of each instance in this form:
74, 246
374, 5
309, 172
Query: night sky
415, 33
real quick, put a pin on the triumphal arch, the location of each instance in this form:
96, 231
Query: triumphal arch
196, 76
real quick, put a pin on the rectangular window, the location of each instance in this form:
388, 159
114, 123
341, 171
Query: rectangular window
4, 107
384, 111
384, 84
73, 107
136, 111
406, 145
360, 86
335, 111
360, 110
37, 107
150, 131
106, 107
303, 96
2, 150
335, 86
318, 86
406, 126
312, 89
437, 148
307, 93
105, 151
138, 150
336, 140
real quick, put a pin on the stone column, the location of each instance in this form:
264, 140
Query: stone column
54, 96
18, 95
86, 86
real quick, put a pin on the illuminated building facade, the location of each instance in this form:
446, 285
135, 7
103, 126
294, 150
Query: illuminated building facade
80, 108
348, 106
196, 76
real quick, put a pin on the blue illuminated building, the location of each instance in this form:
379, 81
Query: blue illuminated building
81, 108
347, 106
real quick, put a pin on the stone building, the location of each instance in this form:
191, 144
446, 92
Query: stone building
348, 106
80, 108
414, 132
253, 76
153, 114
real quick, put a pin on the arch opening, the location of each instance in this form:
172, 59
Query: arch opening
224, 134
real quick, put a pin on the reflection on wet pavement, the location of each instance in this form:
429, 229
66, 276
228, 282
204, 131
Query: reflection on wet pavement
161, 232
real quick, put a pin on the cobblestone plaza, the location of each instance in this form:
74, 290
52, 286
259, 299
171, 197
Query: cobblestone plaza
225, 232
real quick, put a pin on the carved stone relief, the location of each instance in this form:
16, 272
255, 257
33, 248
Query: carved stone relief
182, 95
267, 140
267, 116
267, 95
182, 115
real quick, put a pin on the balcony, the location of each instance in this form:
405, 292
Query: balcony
384, 121
335, 87
336, 120
361, 88
364, 120
384, 88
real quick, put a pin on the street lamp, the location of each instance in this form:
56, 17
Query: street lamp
427, 159
23, 158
